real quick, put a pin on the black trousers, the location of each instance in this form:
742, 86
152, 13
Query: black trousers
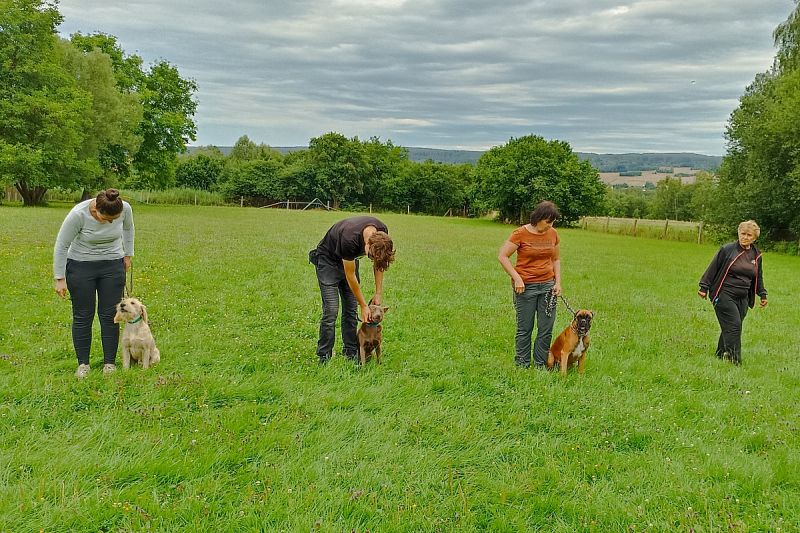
731, 308
90, 284
333, 288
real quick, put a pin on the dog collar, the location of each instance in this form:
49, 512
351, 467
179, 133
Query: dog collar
372, 324
135, 321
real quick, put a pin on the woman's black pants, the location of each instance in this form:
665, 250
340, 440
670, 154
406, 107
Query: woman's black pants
90, 284
731, 308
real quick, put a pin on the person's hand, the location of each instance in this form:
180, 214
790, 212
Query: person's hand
701, 293
763, 302
519, 285
557, 289
127, 262
365, 316
61, 287
376, 299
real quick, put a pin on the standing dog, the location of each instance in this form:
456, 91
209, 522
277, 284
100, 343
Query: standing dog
571, 345
137, 340
369, 334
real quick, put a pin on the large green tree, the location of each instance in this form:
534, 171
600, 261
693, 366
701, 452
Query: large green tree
760, 175
114, 114
44, 114
168, 108
513, 178
339, 165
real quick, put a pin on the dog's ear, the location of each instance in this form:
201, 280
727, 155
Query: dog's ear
385, 309
144, 314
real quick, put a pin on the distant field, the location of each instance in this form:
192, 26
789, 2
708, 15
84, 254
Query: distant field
685, 174
239, 429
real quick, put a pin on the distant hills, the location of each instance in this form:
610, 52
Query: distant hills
633, 162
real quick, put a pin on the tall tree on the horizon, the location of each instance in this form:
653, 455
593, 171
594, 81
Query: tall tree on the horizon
760, 175
168, 105
513, 178
44, 114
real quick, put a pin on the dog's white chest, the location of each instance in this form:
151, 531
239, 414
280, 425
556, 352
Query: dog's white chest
578, 348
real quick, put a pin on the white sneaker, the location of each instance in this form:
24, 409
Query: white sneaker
109, 368
82, 372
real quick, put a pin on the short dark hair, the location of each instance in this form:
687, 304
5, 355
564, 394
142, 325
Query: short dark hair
108, 202
545, 211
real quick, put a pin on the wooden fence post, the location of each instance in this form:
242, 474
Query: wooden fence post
635, 223
408, 209
666, 226
700, 233
608, 219
370, 209
241, 201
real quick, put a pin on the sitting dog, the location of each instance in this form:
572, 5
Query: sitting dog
571, 345
137, 340
369, 334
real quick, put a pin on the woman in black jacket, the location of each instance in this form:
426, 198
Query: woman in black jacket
731, 282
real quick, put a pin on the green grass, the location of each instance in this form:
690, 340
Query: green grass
239, 429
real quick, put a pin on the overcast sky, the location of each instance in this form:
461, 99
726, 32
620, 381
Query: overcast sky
605, 76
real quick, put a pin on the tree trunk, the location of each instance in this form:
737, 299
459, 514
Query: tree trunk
30, 195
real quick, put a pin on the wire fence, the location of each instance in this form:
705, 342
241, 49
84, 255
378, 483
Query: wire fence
671, 230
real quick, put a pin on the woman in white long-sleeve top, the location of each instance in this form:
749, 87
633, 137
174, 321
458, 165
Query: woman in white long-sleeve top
92, 253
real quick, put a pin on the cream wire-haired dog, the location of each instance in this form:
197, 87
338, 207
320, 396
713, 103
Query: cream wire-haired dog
137, 340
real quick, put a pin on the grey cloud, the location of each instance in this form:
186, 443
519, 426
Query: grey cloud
602, 75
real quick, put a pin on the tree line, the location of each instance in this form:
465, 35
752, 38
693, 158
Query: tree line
355, 174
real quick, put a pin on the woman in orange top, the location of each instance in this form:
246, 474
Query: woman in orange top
535, 277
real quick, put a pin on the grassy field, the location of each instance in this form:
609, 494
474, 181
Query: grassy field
240, 429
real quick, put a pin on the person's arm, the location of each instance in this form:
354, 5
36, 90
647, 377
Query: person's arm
710, 274
376, 299
762, 291
557, 270
506, 251
128, 234
352, 281
69, 230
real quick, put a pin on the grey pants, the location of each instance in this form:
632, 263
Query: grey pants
90, 284
531, 308
333, 288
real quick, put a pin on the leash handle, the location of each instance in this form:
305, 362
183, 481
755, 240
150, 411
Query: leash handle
127, 290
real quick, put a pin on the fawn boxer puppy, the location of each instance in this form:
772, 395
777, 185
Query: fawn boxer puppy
571, 345
369, 334
137, 340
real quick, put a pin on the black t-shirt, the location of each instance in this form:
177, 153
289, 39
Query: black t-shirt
345, 239
742, 271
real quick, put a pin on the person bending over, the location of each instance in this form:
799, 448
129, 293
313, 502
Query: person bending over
336, 260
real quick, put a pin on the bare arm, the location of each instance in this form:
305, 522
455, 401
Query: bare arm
506, 251
557, 270
352, 282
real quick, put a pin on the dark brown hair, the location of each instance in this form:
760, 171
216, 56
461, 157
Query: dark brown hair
545, 211
108, 202
381, 250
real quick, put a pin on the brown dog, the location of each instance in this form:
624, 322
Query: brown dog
571, 345
369, 334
